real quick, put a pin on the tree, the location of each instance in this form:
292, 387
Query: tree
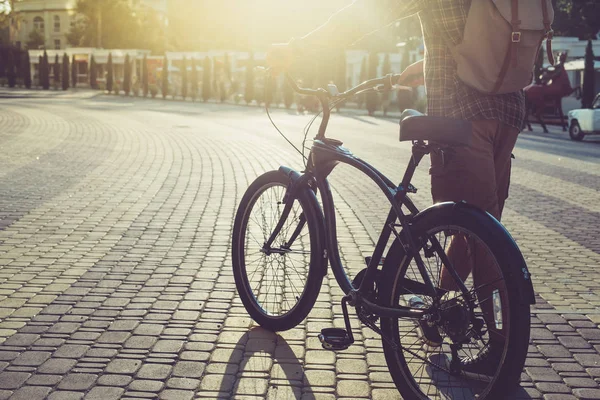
386, 69
45, 75
588, 90
73, 72
11, 69
372, 97
65, 72
194, 80
145, 76
56, 72
288, 94
405, 57
184, 78
165, 77
340, 74
227, 65
269, 83
26, 70
93, 74
580, 18
249, 92
362, 77
117, 24
109, 74
40, 66
36, 40
127, 75
206, 79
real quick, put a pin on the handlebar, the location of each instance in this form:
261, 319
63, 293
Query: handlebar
387, 81
324, 96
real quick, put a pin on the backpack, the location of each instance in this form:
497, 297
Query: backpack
501, 43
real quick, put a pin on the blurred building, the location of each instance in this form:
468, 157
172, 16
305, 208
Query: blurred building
52, 20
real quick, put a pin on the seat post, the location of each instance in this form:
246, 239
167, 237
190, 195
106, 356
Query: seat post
419, 149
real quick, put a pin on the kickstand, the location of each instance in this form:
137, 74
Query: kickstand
455, 368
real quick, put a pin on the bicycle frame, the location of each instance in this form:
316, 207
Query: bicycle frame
325, 154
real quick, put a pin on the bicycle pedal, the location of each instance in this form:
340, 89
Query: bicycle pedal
335, 339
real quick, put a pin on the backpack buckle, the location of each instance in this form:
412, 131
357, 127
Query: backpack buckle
516, 37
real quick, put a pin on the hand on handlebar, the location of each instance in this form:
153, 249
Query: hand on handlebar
412, 76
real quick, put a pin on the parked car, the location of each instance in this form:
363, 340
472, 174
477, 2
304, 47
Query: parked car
585, 121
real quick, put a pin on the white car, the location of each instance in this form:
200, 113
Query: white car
585, 121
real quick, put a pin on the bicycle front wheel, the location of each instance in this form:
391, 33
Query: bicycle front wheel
463, 352
278, 284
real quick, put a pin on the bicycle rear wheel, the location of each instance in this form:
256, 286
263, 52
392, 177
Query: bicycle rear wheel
499, 318
278, 285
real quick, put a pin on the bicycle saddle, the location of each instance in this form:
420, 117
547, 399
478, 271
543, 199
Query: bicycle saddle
417, 126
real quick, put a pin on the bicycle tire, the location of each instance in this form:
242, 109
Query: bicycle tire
314, 271
502, 247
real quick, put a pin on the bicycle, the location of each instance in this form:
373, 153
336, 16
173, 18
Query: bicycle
283, 234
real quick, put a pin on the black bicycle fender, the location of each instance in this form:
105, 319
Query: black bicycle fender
524, 277
300, 182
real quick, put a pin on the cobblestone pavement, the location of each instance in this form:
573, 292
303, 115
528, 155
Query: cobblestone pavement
115, 267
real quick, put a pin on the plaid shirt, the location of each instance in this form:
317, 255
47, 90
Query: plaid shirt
443, 23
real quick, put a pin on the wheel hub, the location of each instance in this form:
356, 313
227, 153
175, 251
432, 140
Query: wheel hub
455, 319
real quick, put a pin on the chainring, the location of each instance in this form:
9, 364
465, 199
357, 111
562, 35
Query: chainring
370, 294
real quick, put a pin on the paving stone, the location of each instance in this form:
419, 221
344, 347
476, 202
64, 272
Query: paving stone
104, 393
141, 385
552, 387
114, 380
587, 394
31, 393
21, 339
183, 383
154, 371
189, 369
349, 366
581, 382
554, 351
251, 386
588, 360
65, 395
116, 337
175, 394
123, 366
57, 366
44, 380
76, 381
353, 389
319, 378
217, 383
12, 380
140, 342
559, 396
32, 358
71, 351
168, 346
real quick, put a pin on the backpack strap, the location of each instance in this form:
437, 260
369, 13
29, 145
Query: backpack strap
516, 33
513, 48
549, 32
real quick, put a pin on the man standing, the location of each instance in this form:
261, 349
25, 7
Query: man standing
479, 173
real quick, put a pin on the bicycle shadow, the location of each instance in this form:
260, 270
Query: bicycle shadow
452, 389
268, 366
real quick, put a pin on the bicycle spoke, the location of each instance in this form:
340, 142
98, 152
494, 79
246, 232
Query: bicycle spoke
429, 366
